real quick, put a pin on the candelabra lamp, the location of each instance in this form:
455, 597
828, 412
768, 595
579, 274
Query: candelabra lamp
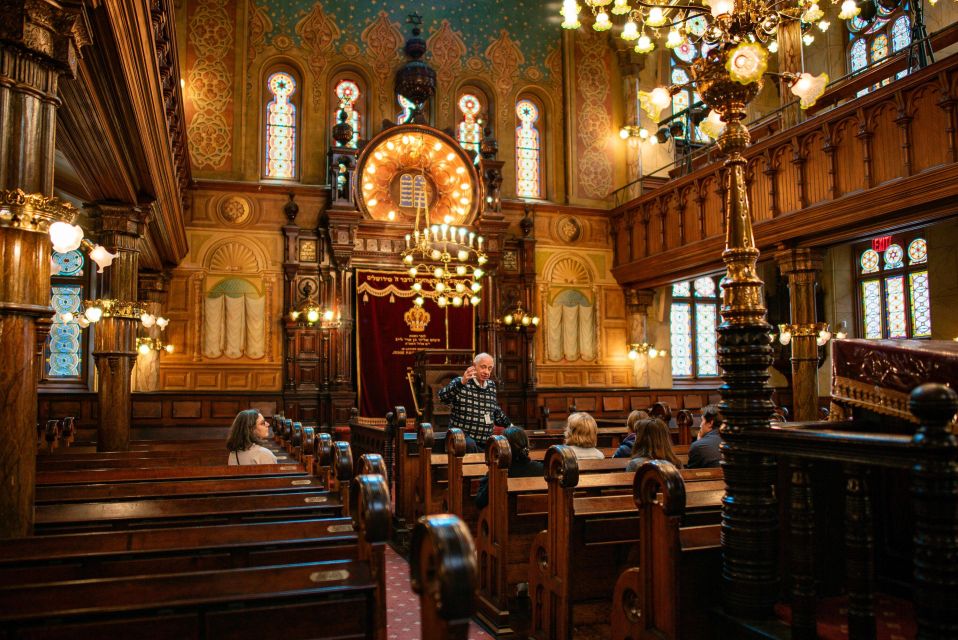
519, 318
637, 348
145, 344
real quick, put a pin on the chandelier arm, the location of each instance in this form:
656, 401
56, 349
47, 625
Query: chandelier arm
688, 7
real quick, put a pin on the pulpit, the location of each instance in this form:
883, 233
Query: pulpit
432, 370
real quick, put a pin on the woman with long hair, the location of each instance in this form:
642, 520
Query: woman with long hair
652, 443
521, 466
247, 434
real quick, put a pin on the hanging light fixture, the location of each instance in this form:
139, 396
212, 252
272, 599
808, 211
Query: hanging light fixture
637, 348
444, 260
145, 345
519, 318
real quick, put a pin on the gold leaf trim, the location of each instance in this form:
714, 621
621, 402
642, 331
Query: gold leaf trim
33, 211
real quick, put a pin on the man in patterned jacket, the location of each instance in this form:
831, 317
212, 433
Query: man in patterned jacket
472, 398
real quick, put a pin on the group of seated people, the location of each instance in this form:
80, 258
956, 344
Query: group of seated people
648, 439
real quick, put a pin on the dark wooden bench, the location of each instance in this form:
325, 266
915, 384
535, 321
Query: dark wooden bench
680, 566
575, 561
288, 600
442, 566
516, 513
169, 474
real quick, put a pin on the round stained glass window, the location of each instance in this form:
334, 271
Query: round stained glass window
869, 261
704, 288
893, 255
70, 263
917, 251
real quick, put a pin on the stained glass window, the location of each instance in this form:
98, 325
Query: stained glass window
407, 108
886, 32
528, 150
470, 131
69, 264
694, 319
348, 94
680, 64
281, 127
898, 303
681, 322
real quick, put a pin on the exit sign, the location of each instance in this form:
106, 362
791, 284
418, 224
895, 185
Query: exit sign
880, 244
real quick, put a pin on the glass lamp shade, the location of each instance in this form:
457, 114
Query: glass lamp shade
102, 257
65, 237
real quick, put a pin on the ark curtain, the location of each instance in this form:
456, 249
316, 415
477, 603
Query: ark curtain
390, 330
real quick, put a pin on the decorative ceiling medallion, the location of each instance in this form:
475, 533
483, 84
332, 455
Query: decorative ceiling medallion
569, 229
414, 165
235, 210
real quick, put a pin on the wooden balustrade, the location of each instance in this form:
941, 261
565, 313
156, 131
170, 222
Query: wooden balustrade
886, 159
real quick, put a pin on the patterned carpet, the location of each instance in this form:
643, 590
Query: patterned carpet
402, 605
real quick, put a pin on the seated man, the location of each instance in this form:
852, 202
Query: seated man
704, 452
472, 398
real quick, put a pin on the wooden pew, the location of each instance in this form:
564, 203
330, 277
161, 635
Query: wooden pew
134, 461
206, 603
575, 562
170, 474
149, 490
516, 513
442, 566
667, 595
427, 498
464, 472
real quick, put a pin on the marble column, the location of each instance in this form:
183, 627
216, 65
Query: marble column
114, 347
637, 303
39, 44
801, 267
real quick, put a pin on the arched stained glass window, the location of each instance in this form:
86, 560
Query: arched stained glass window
884, 34
281, 127
893, 288
470, 131
528, 151
63, 354
694, 319
407, 107
348, 94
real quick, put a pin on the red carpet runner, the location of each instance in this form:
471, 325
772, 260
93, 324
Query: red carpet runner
402, 605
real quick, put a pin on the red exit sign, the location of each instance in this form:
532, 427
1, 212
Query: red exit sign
880, 244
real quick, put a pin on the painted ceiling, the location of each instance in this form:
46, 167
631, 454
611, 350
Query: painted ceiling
530, 23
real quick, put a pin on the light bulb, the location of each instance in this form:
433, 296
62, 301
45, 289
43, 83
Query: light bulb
808, 39
482, 260
462, 255
660, 97
633, 354
785, 337
721, 7
526, 320
102, 258
602, 22
674, 39
474, 300
161, 322
773, 46
535, 321
328, 315
653, 352
413, 271
408, 258
460, 269
65, 317
93, 314
312, 315
507, 320
441, 301
656, 17
478, 273
144, 348
168, 348
148, 320
65, 237
440, 287
850, 9
436, 254
456, 301
83, 322
630, 31
438, 272
416, 287
621, 7
418, 301
644, 44
624, 133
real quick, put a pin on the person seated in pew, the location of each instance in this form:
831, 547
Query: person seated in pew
653, 443
521, 466
582, 435
472, 398
249, 430
625, 449
704, 452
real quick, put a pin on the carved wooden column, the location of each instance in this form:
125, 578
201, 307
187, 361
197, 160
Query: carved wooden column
114, 347
801, 266
637, 302
39, 43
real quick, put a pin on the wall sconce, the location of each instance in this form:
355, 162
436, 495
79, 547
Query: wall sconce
842, 331
519, 318
818, 329
635, 131
145, 345
310, 313
644, 347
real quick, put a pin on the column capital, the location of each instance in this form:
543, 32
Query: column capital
639, 300
121, 218
795, 261
52, 30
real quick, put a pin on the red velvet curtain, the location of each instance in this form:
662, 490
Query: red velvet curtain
390, 329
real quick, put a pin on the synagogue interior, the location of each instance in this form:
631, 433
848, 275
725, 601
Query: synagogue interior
582, 319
